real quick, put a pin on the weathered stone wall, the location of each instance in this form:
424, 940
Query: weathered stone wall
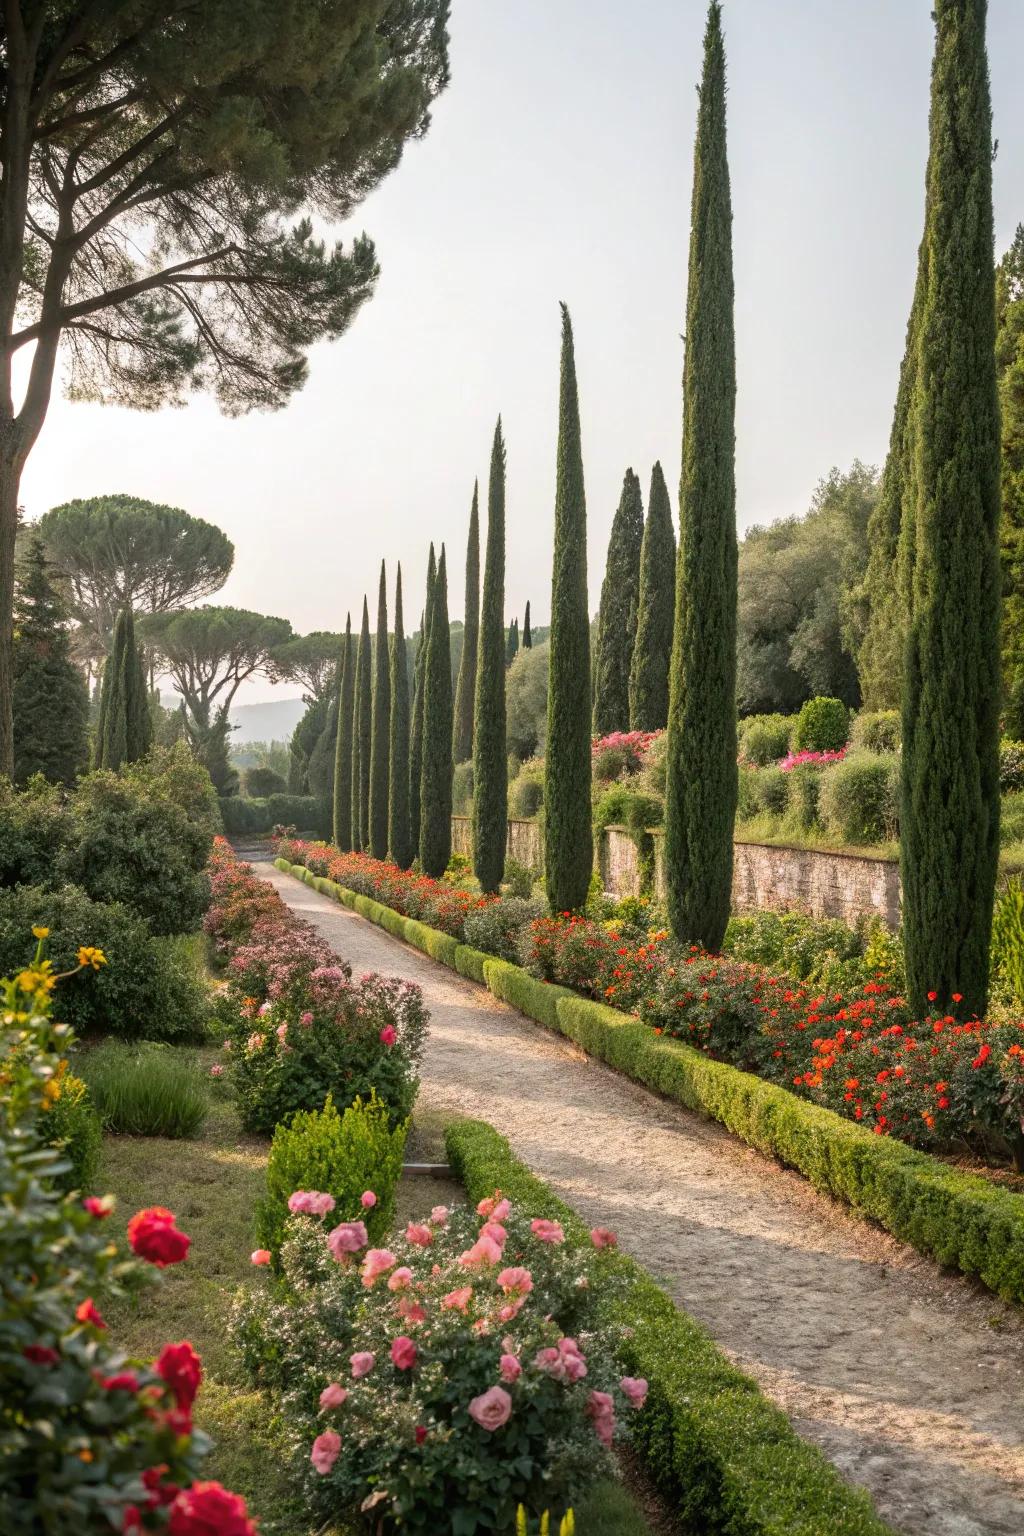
618, 862
525, 842
462, 836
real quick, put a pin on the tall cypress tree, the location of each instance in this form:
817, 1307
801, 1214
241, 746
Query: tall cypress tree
362, 731
138, 720
512, 643
527, 634
490, 768
702, 778
620, 599
568, 839
51, 698
125, 731
656, 613
436, 774
399, 841
380, 729
342, 818
949, 826
1010, 372
416, 733
465, 693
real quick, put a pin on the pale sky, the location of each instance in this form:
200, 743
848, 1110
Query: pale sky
559, 167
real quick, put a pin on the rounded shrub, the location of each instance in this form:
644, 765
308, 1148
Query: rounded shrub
823, 725
859, 798
763, 739
771, 790
258, 783
33, 829
1011, 766
526, 792
497, 927
804, 793
244, 818
877, 730
70, 1123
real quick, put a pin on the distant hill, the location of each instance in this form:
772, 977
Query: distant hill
266, 722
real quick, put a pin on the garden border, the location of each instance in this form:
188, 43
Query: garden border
724, 1458
958, 1219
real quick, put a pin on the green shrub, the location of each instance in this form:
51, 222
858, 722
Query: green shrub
245, 818
149, 988
470, 962
258, 783
33, 830
1008, 941
519, 879
877, 730
809, 948
1011, 820
859, 798
823, 725
1011, 767
747, 803
496, 927
526, 792
462, 789
72, 1125
517, 987
339, 1155
146, 1089
764, 739
804, 795
771, 791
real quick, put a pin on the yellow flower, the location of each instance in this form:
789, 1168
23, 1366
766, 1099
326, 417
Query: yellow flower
38, 932
88, 954
51, 1092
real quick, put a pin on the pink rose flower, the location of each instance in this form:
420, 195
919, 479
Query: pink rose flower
260, 1256
501, 1210
418, 1234
495, 1231
601, 1237
517, 1281
368, 1199
332, 1396
410, 1309
403, 1353
564, 1362
511, 1309
306, 1019
486, 1206
376, 1263
439, 1215
635, 1389
511, 1370
401, 1279
547, 1231
326, 1448
362, 1364
484, 1251
311, 1202
458, 1301
388, 1035
347, 1237
282, 1033
601, 1410
217, 1070
491, 1409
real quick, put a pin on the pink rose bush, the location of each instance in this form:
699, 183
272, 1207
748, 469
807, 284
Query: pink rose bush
462, 1373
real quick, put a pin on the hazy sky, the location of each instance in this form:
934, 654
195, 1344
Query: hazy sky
558, 167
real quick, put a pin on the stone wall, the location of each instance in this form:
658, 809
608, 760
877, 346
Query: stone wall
618, 862
525, 842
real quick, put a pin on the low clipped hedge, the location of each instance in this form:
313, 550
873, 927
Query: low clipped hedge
726, 1460
959, 1219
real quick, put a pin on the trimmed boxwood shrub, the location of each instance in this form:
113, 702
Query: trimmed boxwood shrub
257, 783
823, 725
877, 730
859, 798
244, 817
764, 739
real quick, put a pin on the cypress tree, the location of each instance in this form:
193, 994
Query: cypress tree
949, 826
1010, 371
416, 732
51, 698
362, 730
399, 841
702, 778
490, 768
527, 636
568, 840
656, 613
342, 818
465, 693
436, 773
512, 643
380, 732
138, 720
620, 598
125, 732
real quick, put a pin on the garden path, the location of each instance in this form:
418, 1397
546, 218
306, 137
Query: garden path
910, 1379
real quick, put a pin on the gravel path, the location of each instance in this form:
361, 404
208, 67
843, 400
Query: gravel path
910, 1379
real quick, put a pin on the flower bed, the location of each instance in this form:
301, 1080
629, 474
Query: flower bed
297, 1026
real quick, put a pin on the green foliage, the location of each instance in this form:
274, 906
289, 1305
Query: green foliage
1011, 767
949, 820
51, 700
125, 729
819, 950
399, 837
310, 661
436, 773
465, 692
72, 1126
1010, 368
859, 798
621, 805
462, 789
527, 631
656, 613
496, 927
258, 783
764, 739
823, 725
362, 736
33, 830
619, 611
344, 744
771, 788
568, 846
877, 730
303, 812
1008, 942
380, 729
145, 1090
341, 1155
526, 792
526, 702
512, 642
416, 731
700, 801
490, 780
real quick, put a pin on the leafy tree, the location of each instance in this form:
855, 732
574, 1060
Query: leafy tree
465, 693
380, 728
436, 773
1010, 366
656, 613
210, 745
116, 552
526, 702
527, 634
51, 700
490, 772
156, 160
125, 729
701, 787
416, 734
949, 824
305, 737
399, 839
617, 621
362, 737
310, 661
341, 820
568, 840
798, 614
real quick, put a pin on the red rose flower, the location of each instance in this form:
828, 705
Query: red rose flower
159, 1491
123, 1381
86, 1312
40, 1354
155, 1238
181, 1368
207, 1509
99, 1208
